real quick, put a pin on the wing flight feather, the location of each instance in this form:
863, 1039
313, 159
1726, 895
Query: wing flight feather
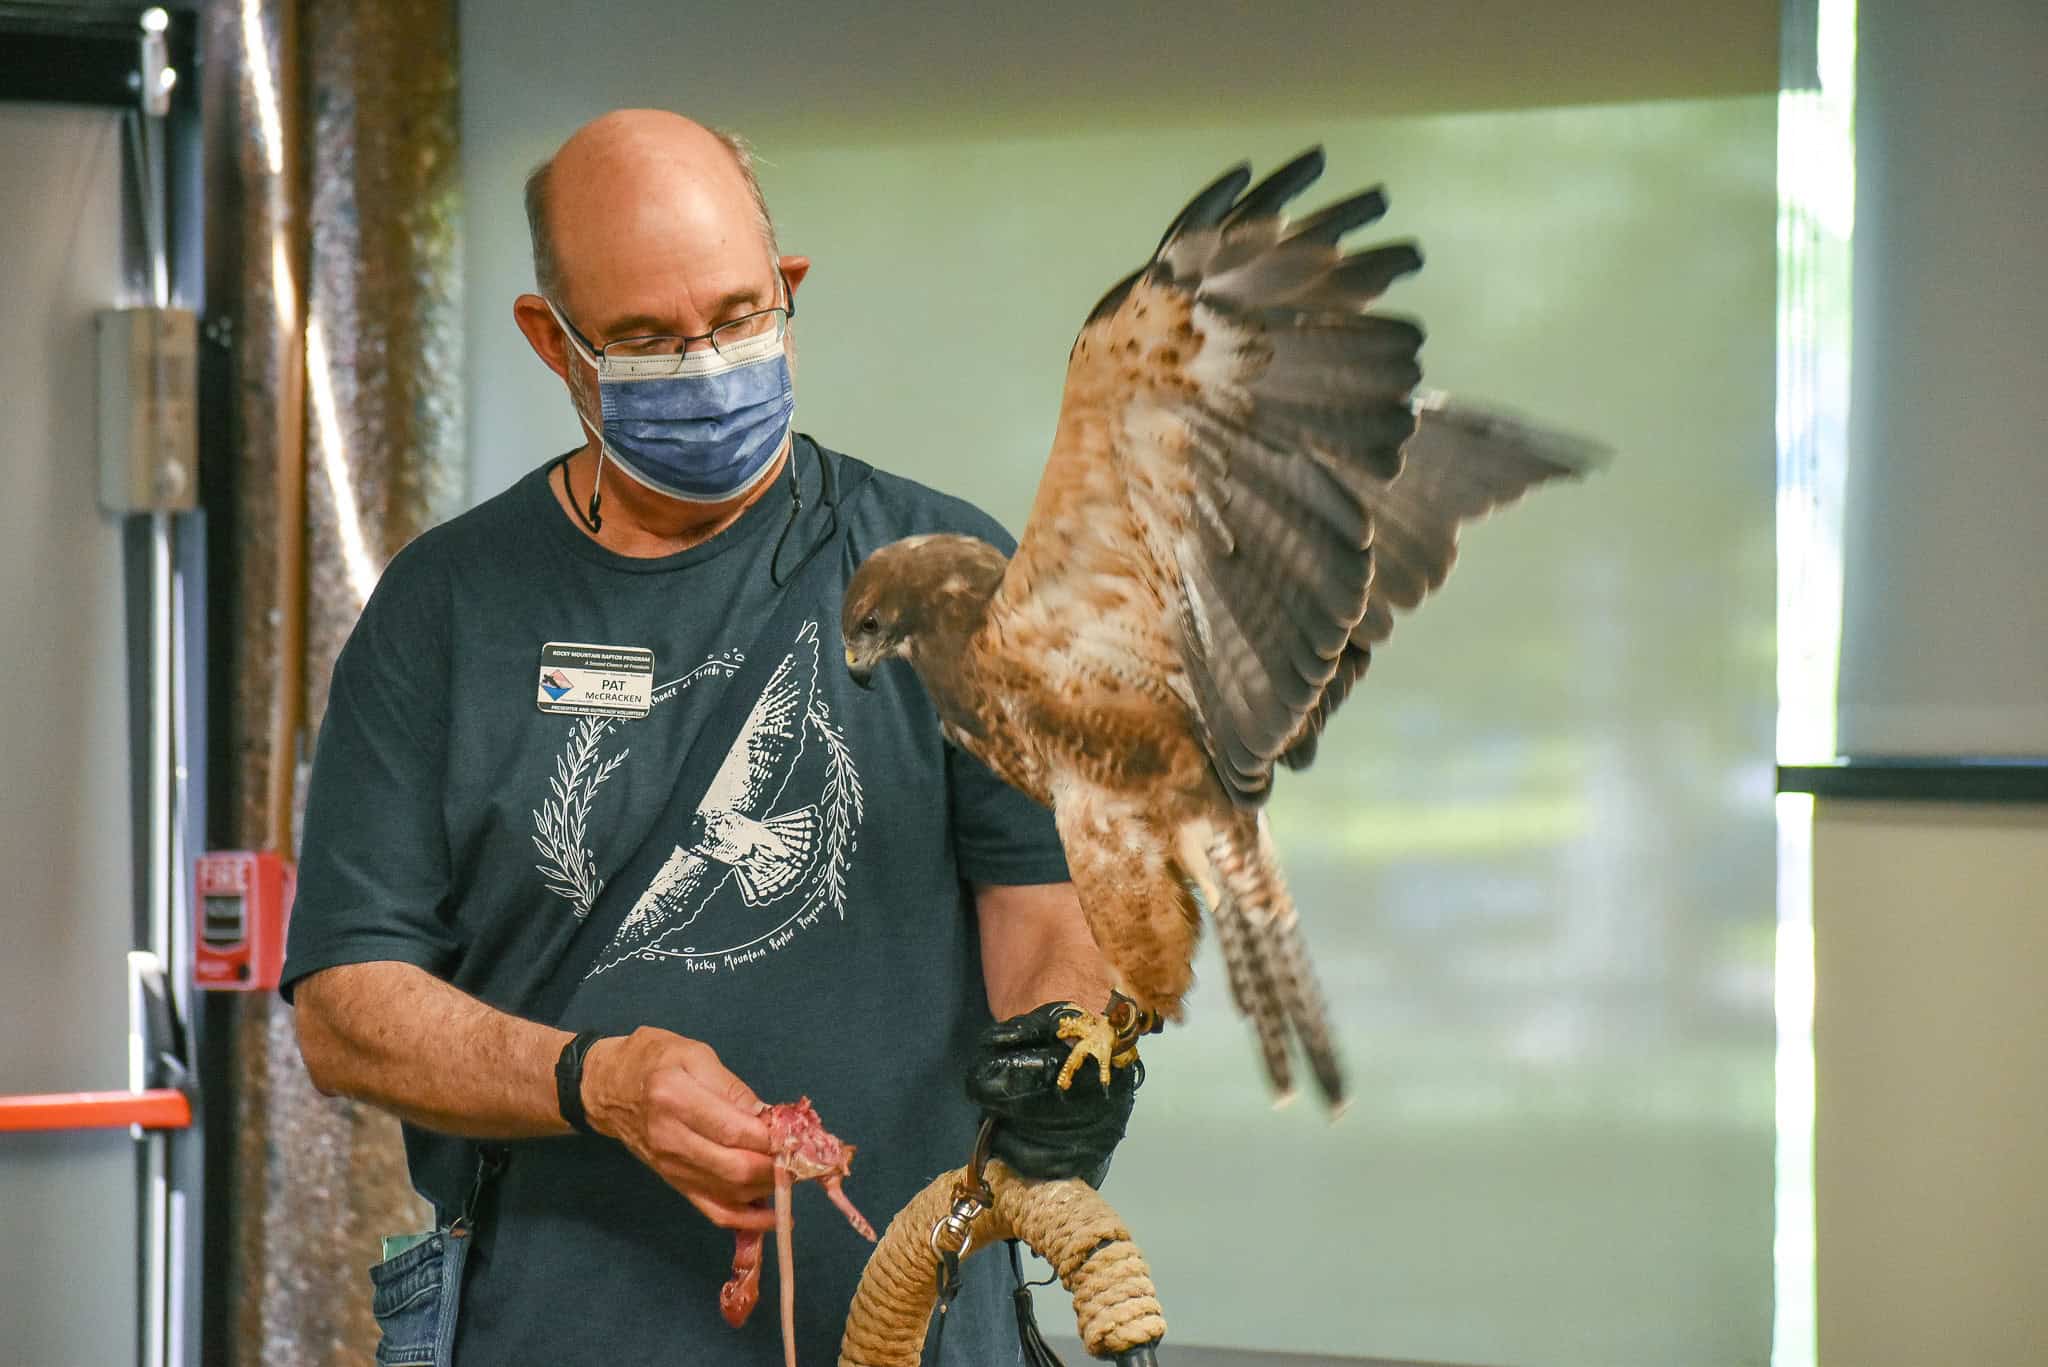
1239, 497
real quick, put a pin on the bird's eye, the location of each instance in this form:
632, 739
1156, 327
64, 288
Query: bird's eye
870, 624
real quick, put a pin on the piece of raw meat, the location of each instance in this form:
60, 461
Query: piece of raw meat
804, 1150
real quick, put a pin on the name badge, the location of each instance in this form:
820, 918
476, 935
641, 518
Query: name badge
595, 681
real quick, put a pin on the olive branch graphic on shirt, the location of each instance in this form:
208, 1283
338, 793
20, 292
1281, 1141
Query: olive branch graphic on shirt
560, 825
842, 799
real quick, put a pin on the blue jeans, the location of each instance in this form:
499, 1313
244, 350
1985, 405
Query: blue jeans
415, 1295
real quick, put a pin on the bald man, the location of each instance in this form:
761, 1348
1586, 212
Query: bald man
519, 922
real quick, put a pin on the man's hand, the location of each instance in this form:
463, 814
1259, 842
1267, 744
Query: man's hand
492, 1076
673, 1104
1042, 1130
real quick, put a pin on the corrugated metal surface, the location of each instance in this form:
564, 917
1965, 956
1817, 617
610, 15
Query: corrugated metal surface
350, 331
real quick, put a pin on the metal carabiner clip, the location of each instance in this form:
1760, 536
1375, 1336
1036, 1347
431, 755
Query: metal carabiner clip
951, 1232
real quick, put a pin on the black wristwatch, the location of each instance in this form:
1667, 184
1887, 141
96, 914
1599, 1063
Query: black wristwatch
569, 1081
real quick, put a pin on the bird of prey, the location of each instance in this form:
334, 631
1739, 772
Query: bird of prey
1245, 488
733, 834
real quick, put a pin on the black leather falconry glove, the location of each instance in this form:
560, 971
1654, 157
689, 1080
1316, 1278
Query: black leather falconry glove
1041, 1130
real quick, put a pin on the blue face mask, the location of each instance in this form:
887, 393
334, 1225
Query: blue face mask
703, 427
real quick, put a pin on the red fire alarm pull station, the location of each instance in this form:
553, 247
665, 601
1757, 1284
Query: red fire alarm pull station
243, 899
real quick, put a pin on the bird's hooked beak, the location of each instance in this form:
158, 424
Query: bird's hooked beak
859, 671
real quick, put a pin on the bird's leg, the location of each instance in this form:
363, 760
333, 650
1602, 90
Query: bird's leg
835, 1191
1093, 1037
1111, 1038
785, 1260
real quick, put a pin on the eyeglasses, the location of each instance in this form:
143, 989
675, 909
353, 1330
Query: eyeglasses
743, 335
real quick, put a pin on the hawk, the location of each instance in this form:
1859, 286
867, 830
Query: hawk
1245, 488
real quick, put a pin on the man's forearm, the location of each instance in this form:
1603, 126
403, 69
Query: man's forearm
398, 1037
1064, 973
1036, 948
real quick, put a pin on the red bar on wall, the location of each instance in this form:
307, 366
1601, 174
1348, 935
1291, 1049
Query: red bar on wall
162, 1108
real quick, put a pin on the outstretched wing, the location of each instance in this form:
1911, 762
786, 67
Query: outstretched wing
1460, 465
1226, 510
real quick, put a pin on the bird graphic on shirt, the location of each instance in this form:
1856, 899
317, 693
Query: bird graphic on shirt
1246, 488
736, 834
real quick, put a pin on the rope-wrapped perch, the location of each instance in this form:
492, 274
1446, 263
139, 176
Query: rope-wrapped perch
1067, 1223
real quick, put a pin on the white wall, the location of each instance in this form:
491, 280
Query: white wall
1931, 923
1945, 624
67, 1201
1931, 1045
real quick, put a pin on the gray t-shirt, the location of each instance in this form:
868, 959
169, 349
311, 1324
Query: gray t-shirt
812, 921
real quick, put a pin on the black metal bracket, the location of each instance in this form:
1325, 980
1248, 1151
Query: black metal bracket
1954, 779
84, 54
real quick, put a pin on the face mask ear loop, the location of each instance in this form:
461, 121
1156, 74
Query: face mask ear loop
796, 506
591, 518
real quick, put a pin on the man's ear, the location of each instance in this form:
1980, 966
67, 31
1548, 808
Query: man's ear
794, 269
543, 333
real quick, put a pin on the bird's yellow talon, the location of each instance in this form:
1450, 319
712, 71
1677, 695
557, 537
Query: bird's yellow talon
1093, 1037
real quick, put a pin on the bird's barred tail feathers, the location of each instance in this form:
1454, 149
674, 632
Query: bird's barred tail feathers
1270, 977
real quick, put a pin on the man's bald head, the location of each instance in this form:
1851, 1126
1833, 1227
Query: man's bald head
631, 152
